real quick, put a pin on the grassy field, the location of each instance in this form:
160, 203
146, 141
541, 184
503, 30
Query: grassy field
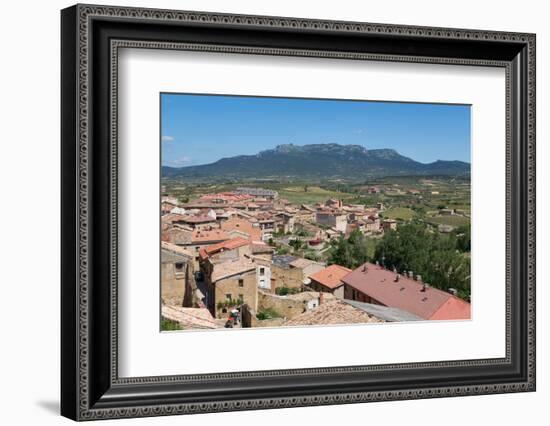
449, 220
399, 213
310, 194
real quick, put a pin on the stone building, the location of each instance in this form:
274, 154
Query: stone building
230, 284
285, 222
332, 219
177, 280
389, 225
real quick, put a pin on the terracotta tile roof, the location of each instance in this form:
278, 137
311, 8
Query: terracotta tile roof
203, 236
406, 294
334, 312
227, 245
242, 225
176, 249
226, 196
172, 217
331, 276
191, 318
198, 219
177, 235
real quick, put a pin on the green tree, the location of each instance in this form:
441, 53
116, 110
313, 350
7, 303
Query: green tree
351, 252
283, 250
297, 245
433, 256
463, 238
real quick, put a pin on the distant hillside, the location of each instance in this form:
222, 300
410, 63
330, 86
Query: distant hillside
318, 161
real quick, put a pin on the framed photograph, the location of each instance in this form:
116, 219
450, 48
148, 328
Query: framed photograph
264, 212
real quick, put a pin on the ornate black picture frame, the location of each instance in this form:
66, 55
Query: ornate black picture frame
91, 37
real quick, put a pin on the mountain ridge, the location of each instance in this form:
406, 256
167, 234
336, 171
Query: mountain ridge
318, 160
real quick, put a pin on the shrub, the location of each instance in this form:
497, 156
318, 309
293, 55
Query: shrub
283, 291
169, 325
268, 313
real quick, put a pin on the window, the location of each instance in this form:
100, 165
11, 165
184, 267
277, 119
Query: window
241, 297
241, 283
179, 266
262, 271
228, 296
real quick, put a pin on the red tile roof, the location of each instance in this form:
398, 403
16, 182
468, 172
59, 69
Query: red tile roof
227, 245
331, 276
243, 225
226, 196
203, 236
406, 294
198, 219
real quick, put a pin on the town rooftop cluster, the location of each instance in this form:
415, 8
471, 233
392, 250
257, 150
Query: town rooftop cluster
220, 269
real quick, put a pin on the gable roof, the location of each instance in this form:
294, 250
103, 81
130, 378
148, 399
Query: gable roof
228, 269
227, 245
406, 294
176, 250
331, 276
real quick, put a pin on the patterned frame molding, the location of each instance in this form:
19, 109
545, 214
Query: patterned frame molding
85, 399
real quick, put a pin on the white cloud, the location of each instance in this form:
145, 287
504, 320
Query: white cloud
167, 138
358, 131
182, 161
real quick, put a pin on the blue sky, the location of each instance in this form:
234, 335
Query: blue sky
200, 129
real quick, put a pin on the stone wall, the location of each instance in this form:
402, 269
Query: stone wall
250, 320
283, 277
286, 306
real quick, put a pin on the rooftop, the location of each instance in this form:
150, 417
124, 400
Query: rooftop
283, 260
331, 276
174, 251
198, 219
191, 317
228, 269
333, 312
302, 263
233, 243
384, 312
203, 236
399, 291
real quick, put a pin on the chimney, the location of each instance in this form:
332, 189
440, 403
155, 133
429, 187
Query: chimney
365, 269
396, 278
321, 298
377, 264
425, 286
411, 275
453, 291
418, 278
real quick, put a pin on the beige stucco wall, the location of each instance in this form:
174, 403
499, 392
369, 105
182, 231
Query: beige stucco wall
231, 286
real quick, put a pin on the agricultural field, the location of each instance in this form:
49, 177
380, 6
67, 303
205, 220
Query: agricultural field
449, 220
306, 194
399, 213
